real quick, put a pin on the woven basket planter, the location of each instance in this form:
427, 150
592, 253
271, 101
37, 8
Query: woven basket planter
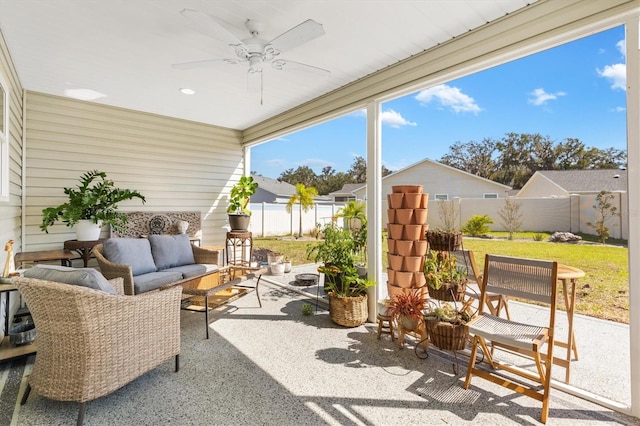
446, 336
449, 292
444, 241
348, 311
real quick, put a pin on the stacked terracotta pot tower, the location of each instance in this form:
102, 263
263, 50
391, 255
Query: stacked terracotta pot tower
407, 214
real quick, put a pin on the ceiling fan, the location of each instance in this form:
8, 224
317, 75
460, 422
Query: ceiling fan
254, 50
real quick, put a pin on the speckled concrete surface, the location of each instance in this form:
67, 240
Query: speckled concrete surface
274, 366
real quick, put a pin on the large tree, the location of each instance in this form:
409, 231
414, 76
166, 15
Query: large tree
513, 159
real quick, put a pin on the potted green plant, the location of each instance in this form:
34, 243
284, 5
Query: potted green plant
348, 299
336, 250
406, 308
446, 280
238, 210
91, 204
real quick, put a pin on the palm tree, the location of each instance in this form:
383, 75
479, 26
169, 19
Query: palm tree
353, 210
304, 197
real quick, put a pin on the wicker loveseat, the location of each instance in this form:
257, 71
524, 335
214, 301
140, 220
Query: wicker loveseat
147, 264
88, 342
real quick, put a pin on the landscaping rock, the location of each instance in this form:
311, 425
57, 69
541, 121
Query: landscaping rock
564, 237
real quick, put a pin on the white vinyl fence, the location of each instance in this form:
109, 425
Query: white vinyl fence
272, 219
569, 214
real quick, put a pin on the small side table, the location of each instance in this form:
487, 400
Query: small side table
7, 350
239, 247
64, 256
83, 248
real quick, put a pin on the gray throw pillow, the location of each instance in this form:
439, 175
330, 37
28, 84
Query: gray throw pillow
171, 250
135, 252
85, 277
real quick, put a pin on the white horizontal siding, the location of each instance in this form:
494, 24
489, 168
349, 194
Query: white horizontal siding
176, 164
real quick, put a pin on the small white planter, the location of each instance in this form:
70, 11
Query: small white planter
287, 266
86, 230
277, 268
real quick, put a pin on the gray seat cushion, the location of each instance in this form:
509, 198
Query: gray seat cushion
190, 271
169, 251
154, 280
135, 252
85, 277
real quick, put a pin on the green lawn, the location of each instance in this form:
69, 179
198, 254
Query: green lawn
602, 293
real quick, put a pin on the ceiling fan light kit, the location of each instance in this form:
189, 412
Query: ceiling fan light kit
254, 50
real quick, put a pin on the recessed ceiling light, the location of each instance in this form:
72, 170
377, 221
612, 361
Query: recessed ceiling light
187, 91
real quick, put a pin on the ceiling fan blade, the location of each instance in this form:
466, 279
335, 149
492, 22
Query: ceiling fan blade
209, 26
205, 63
298, 35
254, 81
286, 65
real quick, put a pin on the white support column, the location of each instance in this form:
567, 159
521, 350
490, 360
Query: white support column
246, 161
633, 170
374, 204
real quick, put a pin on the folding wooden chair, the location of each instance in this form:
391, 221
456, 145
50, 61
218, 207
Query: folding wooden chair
526, 279
495, 302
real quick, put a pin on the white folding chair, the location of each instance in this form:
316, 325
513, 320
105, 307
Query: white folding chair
526, 279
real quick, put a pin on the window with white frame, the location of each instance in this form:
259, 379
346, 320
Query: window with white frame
4, 140
490, 195
441, 197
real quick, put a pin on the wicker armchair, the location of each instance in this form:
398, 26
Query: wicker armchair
91, 343
112, 270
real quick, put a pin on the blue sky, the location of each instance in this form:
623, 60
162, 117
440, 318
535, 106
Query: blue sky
576, 90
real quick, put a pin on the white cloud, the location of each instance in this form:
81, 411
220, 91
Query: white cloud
316, 162
622, 47
449, 97
394, 119
619, 109
616, 74
540, 97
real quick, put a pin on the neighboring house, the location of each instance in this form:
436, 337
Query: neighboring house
347, 193
272, 190
441, 182
562, 183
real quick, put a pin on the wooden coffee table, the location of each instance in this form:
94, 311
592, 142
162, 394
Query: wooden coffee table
228, 277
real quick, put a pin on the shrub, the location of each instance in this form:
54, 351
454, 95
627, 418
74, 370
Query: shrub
477, 225
538, 237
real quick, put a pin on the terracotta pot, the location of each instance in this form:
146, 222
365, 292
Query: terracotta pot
391, 214
404, 216
419, 248
412, 200
413, 232
413, 263
391, 245
404, 247
424, 202
393, 290
395, 200
418, 279
391, 274
395, 262
395, 231
406, 188
420, 216
404, 279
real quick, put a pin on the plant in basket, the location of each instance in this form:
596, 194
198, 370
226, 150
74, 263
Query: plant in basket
347, 295
446, 280
448, 237
446, 326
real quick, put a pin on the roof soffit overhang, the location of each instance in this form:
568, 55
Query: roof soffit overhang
540, 26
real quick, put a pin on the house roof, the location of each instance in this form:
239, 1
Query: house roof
435, 163
347, 189
274, 186
588, 180
120, 53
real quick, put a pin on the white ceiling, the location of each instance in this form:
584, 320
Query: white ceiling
124, 49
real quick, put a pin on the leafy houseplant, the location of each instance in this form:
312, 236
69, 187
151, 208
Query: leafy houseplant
336, 251
95, 199
445, 327
238, 211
